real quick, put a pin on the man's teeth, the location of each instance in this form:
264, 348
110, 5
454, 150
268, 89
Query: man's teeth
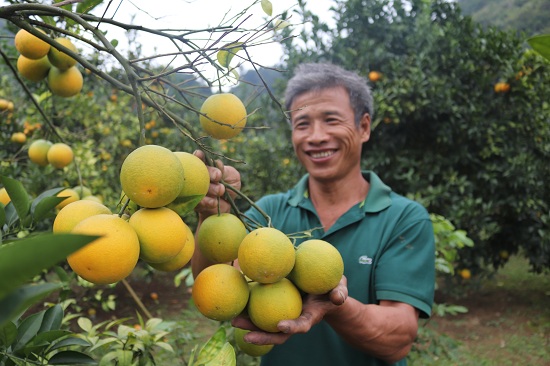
323, 154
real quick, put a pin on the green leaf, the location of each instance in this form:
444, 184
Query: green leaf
39, 343
45, 203
21, 260
71, 358
19, 196
541, 44
2, 215
267, 7
27, 330
8, 334
87, 5
15, 303
226, 53
225, 357
185, 205
52, 319
70, 342
212, 347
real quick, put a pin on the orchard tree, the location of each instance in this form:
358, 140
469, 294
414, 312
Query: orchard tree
462, 120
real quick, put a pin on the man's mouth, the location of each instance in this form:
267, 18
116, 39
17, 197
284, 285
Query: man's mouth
321, 154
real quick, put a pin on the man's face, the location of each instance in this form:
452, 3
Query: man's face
324, 135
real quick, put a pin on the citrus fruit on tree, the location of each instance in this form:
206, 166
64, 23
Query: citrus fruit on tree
220, 236
18, 137
181, 259
75, 212
266, 255
60, 155
60, 59
250, 349
30, 45
38, 151
161, 233
4, 197
196, 181
83, 191
92, 198
110, 258
71, 195
318, 268
220, 292
375, 76
33, 70
151, 176
65, 83
223, 115
269, 303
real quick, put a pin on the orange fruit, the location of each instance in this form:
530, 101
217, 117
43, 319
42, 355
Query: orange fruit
223, 115
65, 83
4, 197
318, 267
75, 212
181, 259
161, 233
38, 152
33, 70
220, 236
18, 137
196, 181
266, 255
60, 59
71, 195
250, 349
375, 76
151, 176
110, 258
270, 303
220, 292
30, 45
60, 155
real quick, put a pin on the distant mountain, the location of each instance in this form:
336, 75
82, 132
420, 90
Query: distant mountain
529, 16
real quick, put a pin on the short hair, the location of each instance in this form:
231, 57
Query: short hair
318, 76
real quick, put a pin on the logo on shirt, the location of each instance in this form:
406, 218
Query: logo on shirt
364, 259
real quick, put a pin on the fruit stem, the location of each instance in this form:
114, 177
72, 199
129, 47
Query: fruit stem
252, 203
136, 299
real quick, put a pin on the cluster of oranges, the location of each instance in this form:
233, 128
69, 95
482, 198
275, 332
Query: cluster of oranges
273, 274
156, 182
38, 60
43, 152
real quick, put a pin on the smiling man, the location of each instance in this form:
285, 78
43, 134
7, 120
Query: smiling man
385, 239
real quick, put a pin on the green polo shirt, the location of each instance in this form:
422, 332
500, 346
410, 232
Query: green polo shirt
387, 244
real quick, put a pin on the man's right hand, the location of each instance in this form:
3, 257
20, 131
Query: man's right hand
209, 204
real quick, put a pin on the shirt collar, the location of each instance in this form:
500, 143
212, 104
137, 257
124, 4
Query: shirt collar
377, 199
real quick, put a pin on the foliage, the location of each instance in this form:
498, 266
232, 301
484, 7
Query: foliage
441, 132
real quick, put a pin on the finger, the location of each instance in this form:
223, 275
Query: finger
262, 338
302, 324
200, 154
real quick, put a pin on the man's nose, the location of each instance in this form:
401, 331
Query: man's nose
318, 132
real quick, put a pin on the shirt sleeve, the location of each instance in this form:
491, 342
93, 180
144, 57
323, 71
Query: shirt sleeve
405, 271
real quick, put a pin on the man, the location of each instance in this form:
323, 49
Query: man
386, 240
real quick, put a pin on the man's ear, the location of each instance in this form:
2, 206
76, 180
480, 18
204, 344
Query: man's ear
364, 127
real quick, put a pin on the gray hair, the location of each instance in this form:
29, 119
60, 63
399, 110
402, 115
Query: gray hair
318, 76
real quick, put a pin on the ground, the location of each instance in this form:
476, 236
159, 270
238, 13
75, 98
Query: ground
507, 323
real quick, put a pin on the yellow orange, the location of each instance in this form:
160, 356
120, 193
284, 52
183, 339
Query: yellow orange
196, 181
38, 151
181, 259
250, 349
60, 59
220, 292
270, 303
65, 83
110, 258
151, 176
220, 236
18, 137
75, 212
161, 233
33, 70
375, 76
318, 267
266, 255
60, 155
30, 45
4, 197
71, 195
223, 115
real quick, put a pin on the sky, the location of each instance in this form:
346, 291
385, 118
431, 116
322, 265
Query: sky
200, 14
